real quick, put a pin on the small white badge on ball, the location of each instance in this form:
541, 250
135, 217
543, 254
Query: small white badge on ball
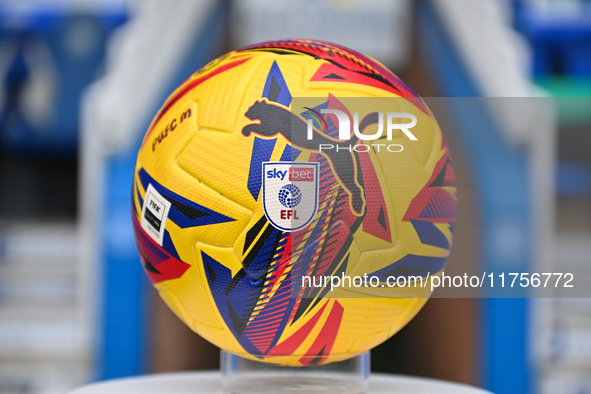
154, 214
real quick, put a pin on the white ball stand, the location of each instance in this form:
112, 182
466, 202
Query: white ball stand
211, 382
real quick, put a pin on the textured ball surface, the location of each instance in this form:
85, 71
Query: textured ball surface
222, 208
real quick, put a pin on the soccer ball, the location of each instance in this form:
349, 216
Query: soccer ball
247, 203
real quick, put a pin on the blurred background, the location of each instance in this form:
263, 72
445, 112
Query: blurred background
81, 79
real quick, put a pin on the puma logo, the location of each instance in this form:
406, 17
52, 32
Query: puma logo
275, 120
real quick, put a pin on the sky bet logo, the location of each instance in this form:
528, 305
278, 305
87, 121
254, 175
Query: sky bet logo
344, 123
298, 174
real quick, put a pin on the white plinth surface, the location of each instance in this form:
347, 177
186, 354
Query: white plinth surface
211, 382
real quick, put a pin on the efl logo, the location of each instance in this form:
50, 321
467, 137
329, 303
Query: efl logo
290, 194
344, 122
